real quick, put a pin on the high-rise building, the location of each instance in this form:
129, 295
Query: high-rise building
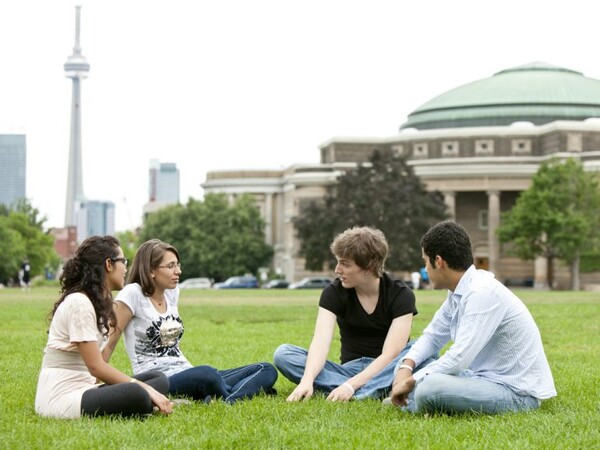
95, 218
12, 168
77, 69
163, 186
164, 182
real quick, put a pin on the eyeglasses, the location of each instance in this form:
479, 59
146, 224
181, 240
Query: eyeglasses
123, 260
171, 266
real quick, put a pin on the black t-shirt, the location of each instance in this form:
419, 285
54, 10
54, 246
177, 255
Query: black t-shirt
363, 334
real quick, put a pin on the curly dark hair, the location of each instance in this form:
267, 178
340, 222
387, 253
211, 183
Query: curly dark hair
450, 241
85, 273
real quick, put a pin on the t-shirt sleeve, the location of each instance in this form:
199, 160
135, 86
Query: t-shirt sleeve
81, 320
330, 300
130, 296
403, 301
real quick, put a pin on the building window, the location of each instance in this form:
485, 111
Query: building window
574, 142
521, 147
450, 148
398, 150
484, 147
483, 219
420, 150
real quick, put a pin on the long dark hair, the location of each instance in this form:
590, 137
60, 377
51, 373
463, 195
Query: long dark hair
147, 258
85, 273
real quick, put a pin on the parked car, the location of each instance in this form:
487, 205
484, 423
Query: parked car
195, 283
243, 282
311, 283
276, 284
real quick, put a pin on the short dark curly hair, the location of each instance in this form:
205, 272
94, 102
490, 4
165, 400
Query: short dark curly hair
450, 241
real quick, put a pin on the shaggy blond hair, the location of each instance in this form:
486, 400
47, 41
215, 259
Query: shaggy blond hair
366, 246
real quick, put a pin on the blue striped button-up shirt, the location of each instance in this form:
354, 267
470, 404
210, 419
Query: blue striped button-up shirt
494, 337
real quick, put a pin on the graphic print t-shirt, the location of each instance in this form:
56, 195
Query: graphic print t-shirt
152, 339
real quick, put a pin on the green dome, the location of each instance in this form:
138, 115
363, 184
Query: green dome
538, 93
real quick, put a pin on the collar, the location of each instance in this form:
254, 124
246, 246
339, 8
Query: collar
463, 284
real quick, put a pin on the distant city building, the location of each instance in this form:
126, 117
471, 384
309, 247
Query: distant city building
95, 218
478, 144
164, 182
65, 241
77, 69
13, 167
163, 186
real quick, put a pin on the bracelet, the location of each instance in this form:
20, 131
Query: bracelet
405, 366
349, 386
133, 380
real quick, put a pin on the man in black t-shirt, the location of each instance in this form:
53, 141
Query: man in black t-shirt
374, 313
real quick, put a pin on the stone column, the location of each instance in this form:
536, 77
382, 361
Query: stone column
450, 201
540, 277
269, 218
493, 224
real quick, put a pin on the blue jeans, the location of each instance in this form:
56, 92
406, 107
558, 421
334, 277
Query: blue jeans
205, 382
291, 361
461, 393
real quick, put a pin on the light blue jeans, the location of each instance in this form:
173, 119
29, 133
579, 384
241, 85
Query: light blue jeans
291, 361
461, 393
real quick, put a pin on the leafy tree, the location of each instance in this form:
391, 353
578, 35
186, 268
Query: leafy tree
22, 236
557, 217
384, 193
214, 238
128, 240
12, 248
33, 215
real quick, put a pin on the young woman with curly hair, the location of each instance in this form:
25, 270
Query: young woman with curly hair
75, 380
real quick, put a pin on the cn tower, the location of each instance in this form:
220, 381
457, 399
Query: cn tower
77, 69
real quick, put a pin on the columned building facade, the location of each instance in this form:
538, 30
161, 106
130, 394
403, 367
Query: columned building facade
479, 145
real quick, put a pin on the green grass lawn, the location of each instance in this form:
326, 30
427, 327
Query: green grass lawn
231, 328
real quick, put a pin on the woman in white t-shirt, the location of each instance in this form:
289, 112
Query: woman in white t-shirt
148, 317
73, 365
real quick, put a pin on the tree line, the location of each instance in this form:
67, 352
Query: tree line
558, 218
22, 237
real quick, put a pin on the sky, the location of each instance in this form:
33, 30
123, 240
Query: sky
238, 84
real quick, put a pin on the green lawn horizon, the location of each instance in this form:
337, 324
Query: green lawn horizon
231, 328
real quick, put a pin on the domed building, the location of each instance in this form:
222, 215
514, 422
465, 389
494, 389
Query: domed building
478, 144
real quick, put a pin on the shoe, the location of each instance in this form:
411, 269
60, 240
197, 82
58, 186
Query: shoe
387, 401
270, 391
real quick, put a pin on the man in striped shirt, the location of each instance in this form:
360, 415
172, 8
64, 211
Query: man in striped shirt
496, 362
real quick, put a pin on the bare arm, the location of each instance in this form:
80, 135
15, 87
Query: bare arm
317, 355
103, 371
403, 383
124, 315
395, 341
